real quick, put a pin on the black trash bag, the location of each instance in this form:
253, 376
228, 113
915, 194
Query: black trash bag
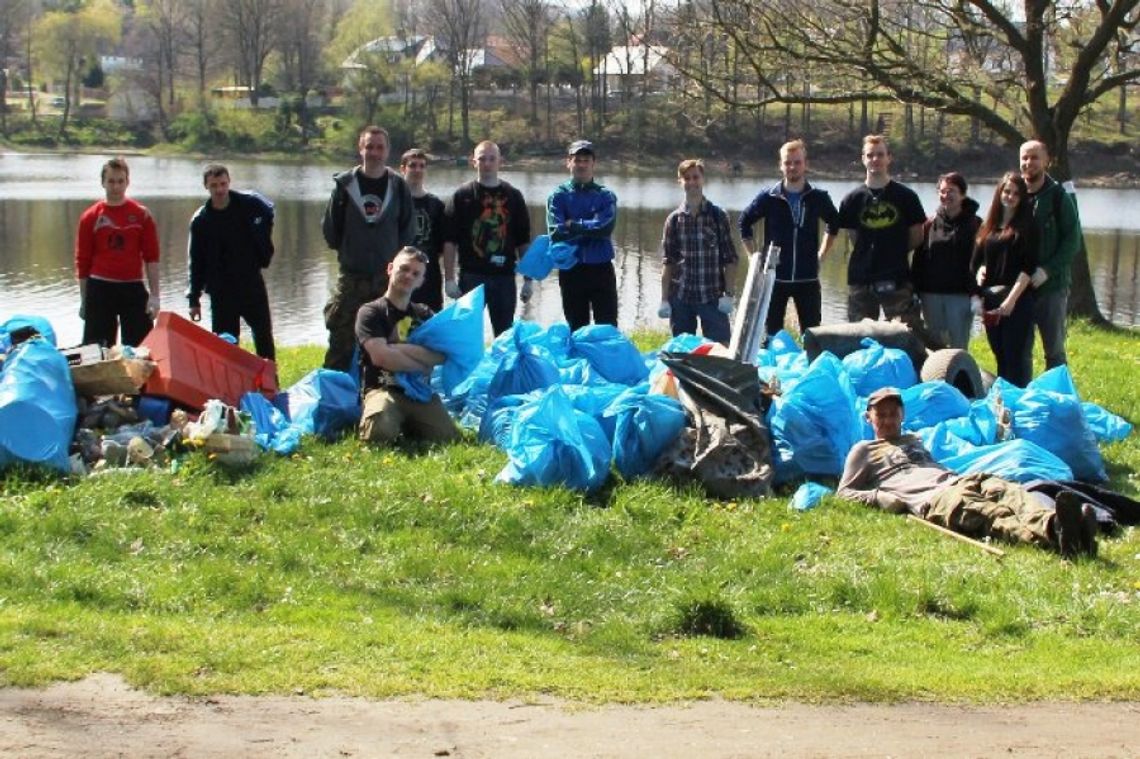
725, 445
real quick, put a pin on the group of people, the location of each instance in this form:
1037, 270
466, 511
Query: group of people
401, 249
117, 253
934, 274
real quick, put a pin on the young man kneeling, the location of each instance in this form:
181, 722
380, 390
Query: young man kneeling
388, 412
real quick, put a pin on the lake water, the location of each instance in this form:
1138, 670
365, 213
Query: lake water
41, 197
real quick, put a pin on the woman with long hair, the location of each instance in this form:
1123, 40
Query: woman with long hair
940, 268
1005, 256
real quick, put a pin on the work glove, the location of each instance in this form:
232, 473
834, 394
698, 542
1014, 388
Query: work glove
195, 313
83, 310
724, 305
153, 305
981, 276
1039, 276
976, 305
451, 287
664, 311
527, 290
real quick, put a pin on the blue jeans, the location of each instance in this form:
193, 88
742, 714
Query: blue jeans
948, 318
714, 324
499, 294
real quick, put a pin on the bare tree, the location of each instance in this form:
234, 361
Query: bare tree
461, 24
251, 29
14, 21
527, 24
164, 23
300, 43
997, 69
205, 40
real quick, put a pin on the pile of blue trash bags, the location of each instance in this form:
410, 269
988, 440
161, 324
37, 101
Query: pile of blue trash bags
568, 408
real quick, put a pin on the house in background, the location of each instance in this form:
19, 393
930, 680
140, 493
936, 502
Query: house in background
627, 68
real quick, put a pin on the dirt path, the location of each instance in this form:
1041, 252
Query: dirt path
103, 717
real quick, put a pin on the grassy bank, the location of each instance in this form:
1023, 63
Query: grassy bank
407, 571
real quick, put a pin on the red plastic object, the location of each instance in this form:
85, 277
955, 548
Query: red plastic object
193, 365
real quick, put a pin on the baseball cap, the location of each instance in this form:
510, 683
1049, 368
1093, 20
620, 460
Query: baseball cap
882, 394
580, 146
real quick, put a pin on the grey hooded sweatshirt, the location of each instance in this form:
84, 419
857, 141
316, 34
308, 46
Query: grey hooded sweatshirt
366, 239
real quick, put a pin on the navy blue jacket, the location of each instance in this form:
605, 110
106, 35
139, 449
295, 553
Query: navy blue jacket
798, 238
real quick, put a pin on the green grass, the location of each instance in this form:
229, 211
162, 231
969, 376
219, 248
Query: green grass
344, 569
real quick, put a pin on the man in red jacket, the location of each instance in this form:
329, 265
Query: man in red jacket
116, 242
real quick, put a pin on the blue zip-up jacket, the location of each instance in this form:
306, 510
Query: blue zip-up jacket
798, 238
592, 210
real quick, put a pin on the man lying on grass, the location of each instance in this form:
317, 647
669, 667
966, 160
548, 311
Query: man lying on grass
388, 411
896, 473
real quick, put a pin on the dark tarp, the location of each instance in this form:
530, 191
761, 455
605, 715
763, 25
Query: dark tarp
725, 445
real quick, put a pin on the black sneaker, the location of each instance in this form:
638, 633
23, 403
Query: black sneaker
1068, 524
1089, 529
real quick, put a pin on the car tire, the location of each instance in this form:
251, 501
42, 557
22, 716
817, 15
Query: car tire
956, 367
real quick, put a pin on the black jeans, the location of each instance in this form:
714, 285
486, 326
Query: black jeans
500, 295
808, 300
111, 305
250, 302
586, 288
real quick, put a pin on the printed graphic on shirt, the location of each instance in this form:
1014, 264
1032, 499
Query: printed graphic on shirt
422, 222
880, 214
490, 230
371, 205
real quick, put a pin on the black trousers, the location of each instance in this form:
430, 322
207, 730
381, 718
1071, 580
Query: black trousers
809, 304
589, 288
250, 301
111, 305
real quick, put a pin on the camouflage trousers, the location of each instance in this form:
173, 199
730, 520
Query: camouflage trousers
352, 291
981, 505
865, 302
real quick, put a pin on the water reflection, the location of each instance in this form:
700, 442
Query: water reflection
41, 198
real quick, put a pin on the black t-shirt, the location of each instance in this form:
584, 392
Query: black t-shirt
881, 219
487, 224
372, 193
379, 318
429, 224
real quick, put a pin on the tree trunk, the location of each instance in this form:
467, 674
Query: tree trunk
1082, 297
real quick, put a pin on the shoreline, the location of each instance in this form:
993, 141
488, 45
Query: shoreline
977, 168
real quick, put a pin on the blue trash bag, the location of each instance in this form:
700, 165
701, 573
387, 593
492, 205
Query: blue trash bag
495, 426
272, 430
1056, 423
536, 263
38, 323
553, 444
943, 442
593, 400
530, 367
610, 353
808, 496
564, 255
815, 423
1058, 380
874, 366
645, 425
783, 343
324, 402
929, 403
555, 338
457, 333
37, 406
1015, 460
1105, 425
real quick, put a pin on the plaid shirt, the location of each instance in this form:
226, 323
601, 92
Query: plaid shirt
698, 246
